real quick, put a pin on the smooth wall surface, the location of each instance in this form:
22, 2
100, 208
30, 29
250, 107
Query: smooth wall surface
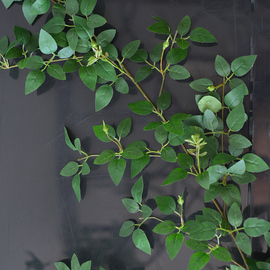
41, 221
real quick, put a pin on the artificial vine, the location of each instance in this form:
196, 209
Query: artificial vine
207, 146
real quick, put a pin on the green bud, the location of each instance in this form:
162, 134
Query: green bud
105, 128
166, 43
91, 60
94, 44
180, 200
211, 88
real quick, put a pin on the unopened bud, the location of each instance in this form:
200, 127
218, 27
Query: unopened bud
91, 60
180, 200
166, 43
211, 88
105, 128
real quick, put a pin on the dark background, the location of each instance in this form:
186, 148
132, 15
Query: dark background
41, 220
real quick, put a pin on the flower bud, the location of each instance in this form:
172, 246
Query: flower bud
211, 88
105, 128
166, 43
180, 200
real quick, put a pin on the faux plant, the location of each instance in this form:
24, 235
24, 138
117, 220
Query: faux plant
208, 146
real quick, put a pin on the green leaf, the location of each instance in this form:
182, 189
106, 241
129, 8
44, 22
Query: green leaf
263, 265
185, 160
168, 154
140, 241
132, 152
234, 82
243, 242
89, 76
210, 120
178, 72
77, 144
137, 165
201, 85
198, 260
105, 71
14, 53
231, 194
76, 181
235, 215
173, 244
206, 231
197, 245
267, 238
82, 28
161, 20
222, 254
164, 227
127, 228
3, 45
221, 158
33, 62
87, 6
164, 101
176, 55
72, 7
137, 190
166, 204
235, 96
83, 46
131, 205
70, 65
146, 211
175, 175
40, 7
202, 35
141, 107
212, 216
203, 179
105, 157
105, 37
95, 20
75, 265
182, 43
55, 25
242, 65
238, 141
101, 135
238, 168
161, 134
210, 103
236, 118
58, 10
152, 125
159, 28
123, 129
116, 170
139, 56
222, 67
103, 96
175, 126
33, 81
7, 3
72, 38
22, 35
244, 178
254, 163
46, 42
60, 38
184, 26
155, 54
68, 141
70, 169
87, 266
56, 71
61, 266
121, 85
130, 49
255, 227
85, 168
212, 192
142, 73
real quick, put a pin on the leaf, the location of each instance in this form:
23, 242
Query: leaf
83, 46
161, 20
141, 107
175, 175
267, 238
236, 118
130, 49
116, 170
127, 228
121, 85
236, 82
182, 43
201, 85
140, 241
235, 215
87, 266
168, 154
142, 73
70, 65
59, 10
55, 25
198, 260
175, 126
254, 163
235, 96
72, 7
184, 26
161, 134
105, 157
164, 101
66, 52
243, 242
263, 265
137, 190
164, 227
206, 231
202, 35
33, 62
231, 194
210, 103
155, 54
222, 254
40, 7
61, 266
244, 178
14, 53
75, 265
22, 35
166, 204
255, 227
47, 44
137, 165
70, 169
105, 71
221, 158
222, 67
159, 28
146, 211
178, 72
72, 38
89, 76
212, 216
242, 65
152, 125
83, 30
105, 38
173, 244
3, 45
101, 135
68, 141
203, 179
212, 192
34, 80
76, 186
131, 205
210, 121
56, 71
77, 143
95, 20
185, 160
197, 245
87, 6
238, 168
176, 55
132, 152
238, 141
85, 168
103, 96
123, 129
139, 56
7, 3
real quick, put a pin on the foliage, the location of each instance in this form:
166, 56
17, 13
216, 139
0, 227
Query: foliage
73, 38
